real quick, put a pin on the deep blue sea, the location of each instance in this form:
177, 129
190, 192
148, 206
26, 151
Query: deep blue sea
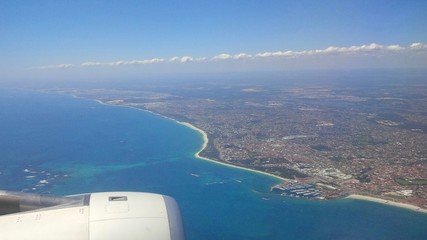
64, 145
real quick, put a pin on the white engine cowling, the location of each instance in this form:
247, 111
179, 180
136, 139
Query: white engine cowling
94, 216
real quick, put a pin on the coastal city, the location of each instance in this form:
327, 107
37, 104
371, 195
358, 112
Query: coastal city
324, 140
213, 120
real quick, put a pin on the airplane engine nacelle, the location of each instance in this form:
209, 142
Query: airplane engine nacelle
95, 216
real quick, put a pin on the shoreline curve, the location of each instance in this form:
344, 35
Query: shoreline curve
351, 196
387, 202
205, 143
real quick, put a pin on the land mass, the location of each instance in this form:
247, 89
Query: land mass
328, 139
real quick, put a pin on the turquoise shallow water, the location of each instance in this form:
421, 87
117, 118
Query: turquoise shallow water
64, 145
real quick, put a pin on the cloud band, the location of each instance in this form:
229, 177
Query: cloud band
371, 49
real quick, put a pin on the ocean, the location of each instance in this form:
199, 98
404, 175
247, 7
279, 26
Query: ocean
58, 144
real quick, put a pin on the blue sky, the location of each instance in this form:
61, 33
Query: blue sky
43, 37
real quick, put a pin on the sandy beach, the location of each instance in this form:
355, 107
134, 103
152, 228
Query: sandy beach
205, 139
387, 202
205, 143
352, 196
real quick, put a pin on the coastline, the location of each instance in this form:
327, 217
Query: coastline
204, 135
387, 202
351, 196
205, 143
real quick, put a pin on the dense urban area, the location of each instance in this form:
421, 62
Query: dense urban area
326, 140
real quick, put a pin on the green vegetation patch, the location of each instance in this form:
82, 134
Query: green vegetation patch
321, 147
337, 158
407, 182
252, 154
363, 140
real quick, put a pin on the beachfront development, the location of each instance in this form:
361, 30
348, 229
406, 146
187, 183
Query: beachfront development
326, 141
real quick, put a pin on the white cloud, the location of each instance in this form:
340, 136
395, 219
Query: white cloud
119, 63
91, 64
367, 48
174, 59
149, 61
242, 56
370, 49
418, 46
183, 59
187, 59
222, 56
278, 54
201, 59
363, 49
57, 66
394, 48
